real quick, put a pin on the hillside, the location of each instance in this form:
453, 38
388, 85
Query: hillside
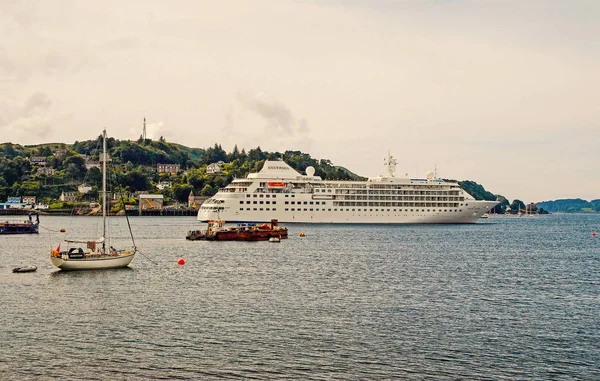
572, 205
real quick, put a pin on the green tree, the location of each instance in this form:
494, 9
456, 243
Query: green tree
207, 190
516, 206
94, 176
44, 151
502, 206
216, 154
196, 179
181, 192
235, 154
75, 166
137, 181
256, 154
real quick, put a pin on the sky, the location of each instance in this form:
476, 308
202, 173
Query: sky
505, 93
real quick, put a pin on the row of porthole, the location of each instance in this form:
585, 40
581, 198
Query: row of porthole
376, 210
348, 210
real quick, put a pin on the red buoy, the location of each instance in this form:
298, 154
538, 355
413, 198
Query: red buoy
181, 261
593, 234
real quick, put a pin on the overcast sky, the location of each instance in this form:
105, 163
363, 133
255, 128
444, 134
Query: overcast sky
505, 93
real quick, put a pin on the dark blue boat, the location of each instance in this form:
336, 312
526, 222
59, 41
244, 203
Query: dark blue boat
25, 227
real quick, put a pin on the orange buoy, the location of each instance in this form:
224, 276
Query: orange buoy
63, 230
302, 234
181, 261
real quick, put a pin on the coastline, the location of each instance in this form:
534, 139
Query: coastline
69, 212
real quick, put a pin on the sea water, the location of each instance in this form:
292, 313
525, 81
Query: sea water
505, 298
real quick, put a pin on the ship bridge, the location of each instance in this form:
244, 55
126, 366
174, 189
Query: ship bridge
275, 169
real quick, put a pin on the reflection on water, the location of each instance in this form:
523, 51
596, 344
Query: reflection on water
86, 274
506, 298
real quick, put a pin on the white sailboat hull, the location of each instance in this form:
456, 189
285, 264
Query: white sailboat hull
94, 263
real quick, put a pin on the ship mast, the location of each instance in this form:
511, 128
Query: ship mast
104, 191
390, 164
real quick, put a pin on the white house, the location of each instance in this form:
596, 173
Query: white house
46, 171
213, 168
28, 200
68, 196
164, 185
84, 188
92, 164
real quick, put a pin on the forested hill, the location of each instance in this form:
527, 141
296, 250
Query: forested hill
479, 193
571, 205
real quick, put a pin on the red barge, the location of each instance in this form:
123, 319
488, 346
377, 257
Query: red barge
217, 231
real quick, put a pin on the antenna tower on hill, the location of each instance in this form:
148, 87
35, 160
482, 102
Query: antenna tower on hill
144, 130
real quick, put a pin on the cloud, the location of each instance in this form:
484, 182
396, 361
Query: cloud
26, 122
54, 62
21, 13
261, 119
122, 43
229, 121
37, 103
31, 130
278, 117
9, 70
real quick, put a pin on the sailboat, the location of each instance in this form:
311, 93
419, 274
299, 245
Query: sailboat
95, 255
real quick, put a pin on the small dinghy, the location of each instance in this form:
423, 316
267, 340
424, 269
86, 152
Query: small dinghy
25, 269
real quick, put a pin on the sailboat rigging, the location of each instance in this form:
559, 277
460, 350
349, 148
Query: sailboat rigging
95, 255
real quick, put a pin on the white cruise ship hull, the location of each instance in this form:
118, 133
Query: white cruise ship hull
469, 214
280, 192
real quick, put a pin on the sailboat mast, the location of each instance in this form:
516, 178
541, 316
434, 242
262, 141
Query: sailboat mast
104, 191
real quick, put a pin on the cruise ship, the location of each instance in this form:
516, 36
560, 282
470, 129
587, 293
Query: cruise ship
279, 192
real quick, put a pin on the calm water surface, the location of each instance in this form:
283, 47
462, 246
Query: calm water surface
506, 298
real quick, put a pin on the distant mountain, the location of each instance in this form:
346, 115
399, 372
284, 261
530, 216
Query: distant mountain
570, 205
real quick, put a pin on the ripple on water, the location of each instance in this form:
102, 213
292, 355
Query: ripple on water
507, 299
